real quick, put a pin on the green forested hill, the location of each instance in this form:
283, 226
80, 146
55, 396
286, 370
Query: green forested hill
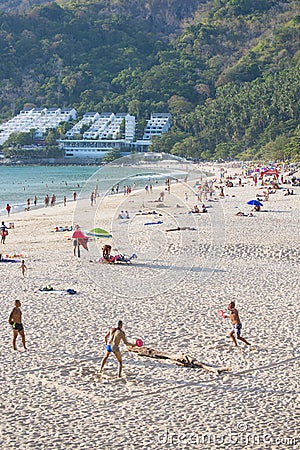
228, 71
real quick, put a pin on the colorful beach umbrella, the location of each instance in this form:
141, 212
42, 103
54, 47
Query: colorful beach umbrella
99, 233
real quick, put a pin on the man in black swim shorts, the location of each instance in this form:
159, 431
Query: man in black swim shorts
15, 319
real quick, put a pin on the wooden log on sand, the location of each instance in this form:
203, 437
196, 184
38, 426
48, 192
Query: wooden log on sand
181, 359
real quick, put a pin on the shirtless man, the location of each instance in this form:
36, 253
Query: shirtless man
15, 319
112, 341
236, 324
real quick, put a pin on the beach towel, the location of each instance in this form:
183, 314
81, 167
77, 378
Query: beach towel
154, 223
5, 260
50, 290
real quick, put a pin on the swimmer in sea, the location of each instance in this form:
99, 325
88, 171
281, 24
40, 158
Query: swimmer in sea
236, 325
112, 341
15, 320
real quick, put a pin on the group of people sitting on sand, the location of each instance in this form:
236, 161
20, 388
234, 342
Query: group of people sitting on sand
124, 215
289, 192
196, 209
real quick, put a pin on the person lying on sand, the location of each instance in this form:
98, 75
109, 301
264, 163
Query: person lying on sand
60, 229
240, 213
112, 342
236, 324
146, 213
182, 228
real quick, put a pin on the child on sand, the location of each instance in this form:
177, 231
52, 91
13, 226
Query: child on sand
15, 320
236, 324
23, 268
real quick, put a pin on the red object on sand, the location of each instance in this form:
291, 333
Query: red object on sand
82, 238
139, 343
220, 313
78, 234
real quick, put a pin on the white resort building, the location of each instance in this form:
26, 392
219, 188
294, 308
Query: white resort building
37, 120
157, 124
93, 135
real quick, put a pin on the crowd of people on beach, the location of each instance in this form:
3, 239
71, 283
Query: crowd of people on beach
204, 192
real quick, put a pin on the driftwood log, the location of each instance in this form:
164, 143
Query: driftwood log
180, 359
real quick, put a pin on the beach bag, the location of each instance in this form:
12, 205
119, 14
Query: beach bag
71, 291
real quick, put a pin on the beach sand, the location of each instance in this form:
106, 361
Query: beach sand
52, 396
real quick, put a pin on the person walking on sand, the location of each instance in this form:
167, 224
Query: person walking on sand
15, 320
92, 198
8, 208
236, 325
112, 341
23, 268
3, 232
46, 200
76, 247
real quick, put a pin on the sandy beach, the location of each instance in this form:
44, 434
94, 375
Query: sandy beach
52, 395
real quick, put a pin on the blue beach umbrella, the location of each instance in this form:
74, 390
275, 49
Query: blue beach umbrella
254, 203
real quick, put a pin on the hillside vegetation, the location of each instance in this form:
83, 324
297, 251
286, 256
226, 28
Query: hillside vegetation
228, 71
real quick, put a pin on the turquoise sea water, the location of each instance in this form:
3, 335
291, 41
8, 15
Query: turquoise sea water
21, 182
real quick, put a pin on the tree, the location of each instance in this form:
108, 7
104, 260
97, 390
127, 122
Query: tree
189, 147
292, 148
112, 155
17, 140
274, 150
179, 106
166, 141
51, 137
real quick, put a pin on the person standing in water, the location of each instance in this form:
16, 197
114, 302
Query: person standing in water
112, 340
15, 320
8, 208
236, 325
